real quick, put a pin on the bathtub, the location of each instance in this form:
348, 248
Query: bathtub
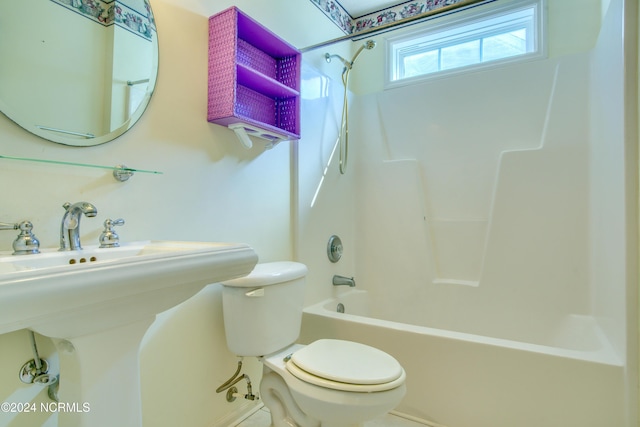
566, 375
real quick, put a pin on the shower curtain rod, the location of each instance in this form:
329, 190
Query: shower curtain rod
400, 23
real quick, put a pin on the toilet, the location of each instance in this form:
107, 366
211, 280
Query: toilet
331, 383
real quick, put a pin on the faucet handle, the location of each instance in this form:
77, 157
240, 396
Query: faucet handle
26, 242
8, 226
109, 238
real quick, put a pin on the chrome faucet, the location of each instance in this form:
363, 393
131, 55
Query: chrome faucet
343, 281
70, 227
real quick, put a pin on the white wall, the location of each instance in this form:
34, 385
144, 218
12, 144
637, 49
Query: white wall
211, 190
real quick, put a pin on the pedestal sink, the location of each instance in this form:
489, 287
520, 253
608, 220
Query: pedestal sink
97, 304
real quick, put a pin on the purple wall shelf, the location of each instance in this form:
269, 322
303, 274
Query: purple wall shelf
254, 79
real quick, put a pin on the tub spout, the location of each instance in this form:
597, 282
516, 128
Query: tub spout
343, 281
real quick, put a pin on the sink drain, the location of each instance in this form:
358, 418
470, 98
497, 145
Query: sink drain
340, 308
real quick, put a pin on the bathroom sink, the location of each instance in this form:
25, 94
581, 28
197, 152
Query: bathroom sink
96, 304
69, 293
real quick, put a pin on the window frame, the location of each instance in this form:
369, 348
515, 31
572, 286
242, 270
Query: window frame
435, 33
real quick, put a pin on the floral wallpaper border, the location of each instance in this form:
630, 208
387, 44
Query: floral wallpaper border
336, 13
350, 25
109, 12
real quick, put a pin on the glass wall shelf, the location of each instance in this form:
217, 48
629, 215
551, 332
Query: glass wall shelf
120, 172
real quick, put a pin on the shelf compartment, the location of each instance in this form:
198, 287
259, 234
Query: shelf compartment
260, 83
277, 114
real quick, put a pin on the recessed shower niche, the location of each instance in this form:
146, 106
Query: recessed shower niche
254, 79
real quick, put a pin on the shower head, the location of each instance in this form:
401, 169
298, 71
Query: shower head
369, 44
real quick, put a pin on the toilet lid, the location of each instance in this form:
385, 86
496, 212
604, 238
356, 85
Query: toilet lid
346, 365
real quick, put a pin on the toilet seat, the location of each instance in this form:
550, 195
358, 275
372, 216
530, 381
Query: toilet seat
346, 366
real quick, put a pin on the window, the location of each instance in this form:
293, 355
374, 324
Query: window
489, 35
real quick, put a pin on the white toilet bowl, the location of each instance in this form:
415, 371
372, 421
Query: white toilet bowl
315, 400
331, 383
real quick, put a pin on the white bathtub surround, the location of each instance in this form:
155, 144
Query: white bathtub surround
489, 216
488, 220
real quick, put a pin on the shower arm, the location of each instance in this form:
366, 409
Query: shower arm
348, 65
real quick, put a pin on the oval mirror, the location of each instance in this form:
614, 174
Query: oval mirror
77, 72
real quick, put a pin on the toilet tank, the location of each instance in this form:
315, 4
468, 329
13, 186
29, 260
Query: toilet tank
263, 311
